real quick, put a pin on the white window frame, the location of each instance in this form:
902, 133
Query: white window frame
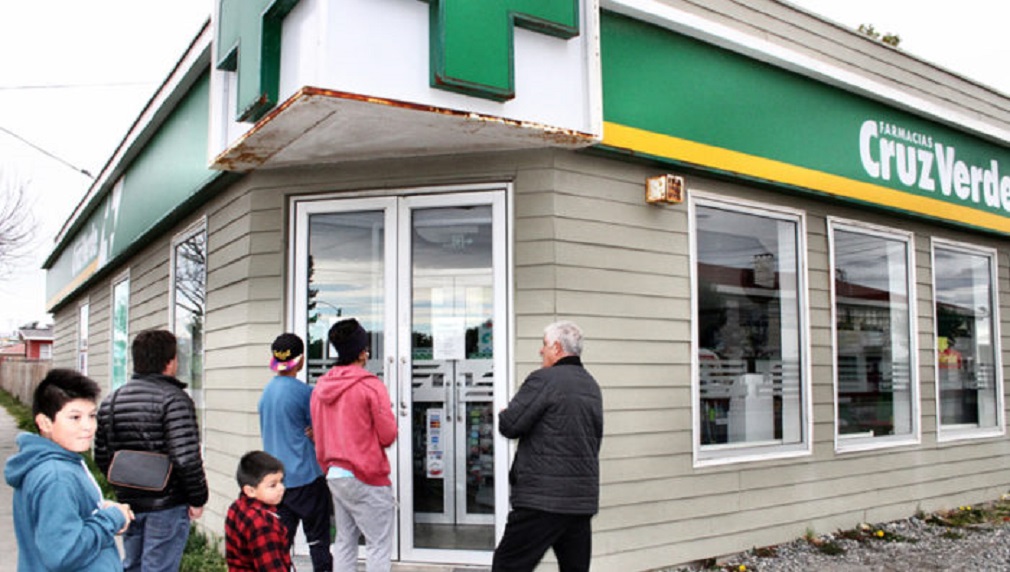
83, 332
723, 454
199, 226
960, 432
847, 443
124, 277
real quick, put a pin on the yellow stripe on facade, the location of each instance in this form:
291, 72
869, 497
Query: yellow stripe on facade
86, 273
668, 147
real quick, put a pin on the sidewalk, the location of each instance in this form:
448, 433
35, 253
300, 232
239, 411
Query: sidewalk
8, 544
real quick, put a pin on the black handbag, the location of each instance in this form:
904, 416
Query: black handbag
142, 470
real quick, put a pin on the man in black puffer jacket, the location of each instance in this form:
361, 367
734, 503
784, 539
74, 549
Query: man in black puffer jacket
557, 415
152, 412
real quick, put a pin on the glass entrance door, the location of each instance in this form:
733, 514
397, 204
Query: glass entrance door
425, 275
452, 375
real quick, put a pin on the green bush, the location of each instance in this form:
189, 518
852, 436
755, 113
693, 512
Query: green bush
202, 554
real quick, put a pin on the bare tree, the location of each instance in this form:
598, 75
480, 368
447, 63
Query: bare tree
17, 226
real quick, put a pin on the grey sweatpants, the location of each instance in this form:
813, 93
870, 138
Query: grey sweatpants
361, 509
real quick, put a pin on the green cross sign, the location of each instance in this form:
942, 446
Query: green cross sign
472, 40
471, 45
249, 42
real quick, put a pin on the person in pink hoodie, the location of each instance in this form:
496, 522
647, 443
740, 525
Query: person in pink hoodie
353, 422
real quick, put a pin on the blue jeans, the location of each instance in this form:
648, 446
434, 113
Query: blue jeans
155, 540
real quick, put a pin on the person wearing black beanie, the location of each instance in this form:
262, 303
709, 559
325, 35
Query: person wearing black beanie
349, 339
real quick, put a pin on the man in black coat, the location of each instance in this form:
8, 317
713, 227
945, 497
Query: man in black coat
152, 412
557, 415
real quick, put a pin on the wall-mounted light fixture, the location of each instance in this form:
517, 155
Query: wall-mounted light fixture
664, 189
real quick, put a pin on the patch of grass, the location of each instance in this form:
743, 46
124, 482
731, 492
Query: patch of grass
203, 553
829, 547
21, 413
868, 533
852, 534
888, 536
963, 516
951, 535
824, 545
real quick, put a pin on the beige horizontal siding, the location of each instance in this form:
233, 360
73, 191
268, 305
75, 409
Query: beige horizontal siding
586, 247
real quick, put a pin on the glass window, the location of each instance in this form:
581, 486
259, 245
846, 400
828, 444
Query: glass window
968, 370
749, 324
83, 312
346, 269
874, 368
189, 292
120, 332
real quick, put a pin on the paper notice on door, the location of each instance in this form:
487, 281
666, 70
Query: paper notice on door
434, 465
449, 338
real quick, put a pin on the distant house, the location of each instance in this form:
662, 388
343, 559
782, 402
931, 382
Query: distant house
36, 341
16, 349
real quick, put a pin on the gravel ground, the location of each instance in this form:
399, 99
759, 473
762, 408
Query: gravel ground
918, 543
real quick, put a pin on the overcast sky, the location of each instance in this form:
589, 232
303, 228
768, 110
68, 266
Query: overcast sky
965, 36
74, 74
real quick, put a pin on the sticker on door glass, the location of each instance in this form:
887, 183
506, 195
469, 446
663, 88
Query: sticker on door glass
435, 465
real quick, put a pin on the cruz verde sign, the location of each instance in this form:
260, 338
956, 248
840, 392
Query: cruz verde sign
721, 111
893, 154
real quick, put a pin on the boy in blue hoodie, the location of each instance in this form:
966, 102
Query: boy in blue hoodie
60, 518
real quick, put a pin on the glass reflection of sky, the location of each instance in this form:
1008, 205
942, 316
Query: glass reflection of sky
963, 281
732, 239
347, 273
451, 255
962, 278
862, 257
451, 263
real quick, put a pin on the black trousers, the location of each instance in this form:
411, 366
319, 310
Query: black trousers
313, 506
529, 533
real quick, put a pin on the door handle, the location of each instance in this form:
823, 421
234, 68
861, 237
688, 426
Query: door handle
404, 393
463, 383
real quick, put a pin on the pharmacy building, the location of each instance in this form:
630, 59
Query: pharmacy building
787, 243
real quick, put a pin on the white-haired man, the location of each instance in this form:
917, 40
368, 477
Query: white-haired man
557, 415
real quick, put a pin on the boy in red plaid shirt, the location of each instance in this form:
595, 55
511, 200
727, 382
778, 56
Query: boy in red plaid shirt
255, 538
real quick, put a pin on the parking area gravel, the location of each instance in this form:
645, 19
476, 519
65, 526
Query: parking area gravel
975, 539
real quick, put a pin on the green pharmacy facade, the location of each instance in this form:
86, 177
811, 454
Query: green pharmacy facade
799, 327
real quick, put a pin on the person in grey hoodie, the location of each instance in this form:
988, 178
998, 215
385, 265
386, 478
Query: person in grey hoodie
61, 521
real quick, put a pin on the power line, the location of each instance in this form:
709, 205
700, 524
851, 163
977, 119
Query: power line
46, 153
75, 85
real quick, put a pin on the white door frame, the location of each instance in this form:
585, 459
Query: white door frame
395, 204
